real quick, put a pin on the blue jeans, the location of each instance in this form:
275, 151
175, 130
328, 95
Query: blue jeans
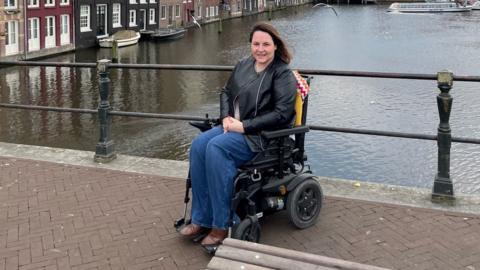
214, 159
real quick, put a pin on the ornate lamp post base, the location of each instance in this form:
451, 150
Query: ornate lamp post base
443, 191
105, 152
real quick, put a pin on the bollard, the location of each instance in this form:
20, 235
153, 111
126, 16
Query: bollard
115, 51
442, 185
270, 13
105, 149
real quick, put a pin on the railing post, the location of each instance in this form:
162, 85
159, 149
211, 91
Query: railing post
443, 186
105, 150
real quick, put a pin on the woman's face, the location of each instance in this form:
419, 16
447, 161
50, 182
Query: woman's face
263, 48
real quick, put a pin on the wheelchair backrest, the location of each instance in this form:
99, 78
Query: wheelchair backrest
301, 101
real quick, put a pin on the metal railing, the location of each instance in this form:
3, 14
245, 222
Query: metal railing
105, 148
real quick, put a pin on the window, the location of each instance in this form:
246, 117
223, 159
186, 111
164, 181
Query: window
133, 18
32, 3
207, 12
50, 26
49, 3
216, 10
163, 12
64, 2
143, 1
244, 4
212, 11
153, 1
85, 18
152, 16
33, 28
132, 1
177, 11
10, 4
10, 32
116, 11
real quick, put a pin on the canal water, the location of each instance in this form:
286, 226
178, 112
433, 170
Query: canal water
361, 38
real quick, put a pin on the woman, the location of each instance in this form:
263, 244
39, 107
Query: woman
259, 95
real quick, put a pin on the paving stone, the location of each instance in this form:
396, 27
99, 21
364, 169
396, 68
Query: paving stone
58, 216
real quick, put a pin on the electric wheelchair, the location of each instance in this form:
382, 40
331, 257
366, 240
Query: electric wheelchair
277, 178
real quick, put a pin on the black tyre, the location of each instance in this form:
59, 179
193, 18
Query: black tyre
247, 230
304, 203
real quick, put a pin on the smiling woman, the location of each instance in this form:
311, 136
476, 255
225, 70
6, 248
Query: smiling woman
258, 96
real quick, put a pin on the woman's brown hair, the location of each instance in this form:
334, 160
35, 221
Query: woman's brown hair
282, 50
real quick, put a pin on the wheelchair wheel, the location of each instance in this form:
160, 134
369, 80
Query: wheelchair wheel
247, 230
304, 203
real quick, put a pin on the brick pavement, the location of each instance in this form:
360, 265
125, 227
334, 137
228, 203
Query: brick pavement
56, 216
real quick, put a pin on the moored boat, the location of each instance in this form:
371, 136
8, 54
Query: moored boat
168, 33
428, 7
123, 38
476, 5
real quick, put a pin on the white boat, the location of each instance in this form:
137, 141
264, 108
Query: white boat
476, 5
123, 38
430, 7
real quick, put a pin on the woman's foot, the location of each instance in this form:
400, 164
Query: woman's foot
192, 230
214, 238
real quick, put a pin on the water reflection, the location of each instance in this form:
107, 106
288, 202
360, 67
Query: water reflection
361, 38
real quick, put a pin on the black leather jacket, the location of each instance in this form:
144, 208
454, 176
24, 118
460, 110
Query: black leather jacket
266, 99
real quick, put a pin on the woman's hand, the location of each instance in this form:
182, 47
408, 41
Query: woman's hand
231, 124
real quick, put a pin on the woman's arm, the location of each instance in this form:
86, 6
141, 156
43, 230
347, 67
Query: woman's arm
224, 93
284, 91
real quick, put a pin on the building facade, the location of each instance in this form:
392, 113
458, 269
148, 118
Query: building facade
12, 30
171, 13
101, 18
188, 10
49, 27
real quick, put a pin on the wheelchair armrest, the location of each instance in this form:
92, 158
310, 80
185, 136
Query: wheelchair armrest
284, 132
205, 125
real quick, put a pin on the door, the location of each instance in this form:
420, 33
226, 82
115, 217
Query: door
50, 32
33, 34
64, 29
142, 20
11, 37
170, 15
102, 20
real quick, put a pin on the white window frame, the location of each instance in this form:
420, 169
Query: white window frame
216, 10
33, 30
207, 12
11, 4
153, 1
49, 3
132, 14
11, 37
177, 11
85, 28
132, 1
64, 28
212, 11
163, 12
64, 2
199, 16
151, 16
143, 1
33, 4
52, 29
118, 13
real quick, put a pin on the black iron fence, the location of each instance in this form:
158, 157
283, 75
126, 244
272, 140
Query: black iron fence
105, 148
